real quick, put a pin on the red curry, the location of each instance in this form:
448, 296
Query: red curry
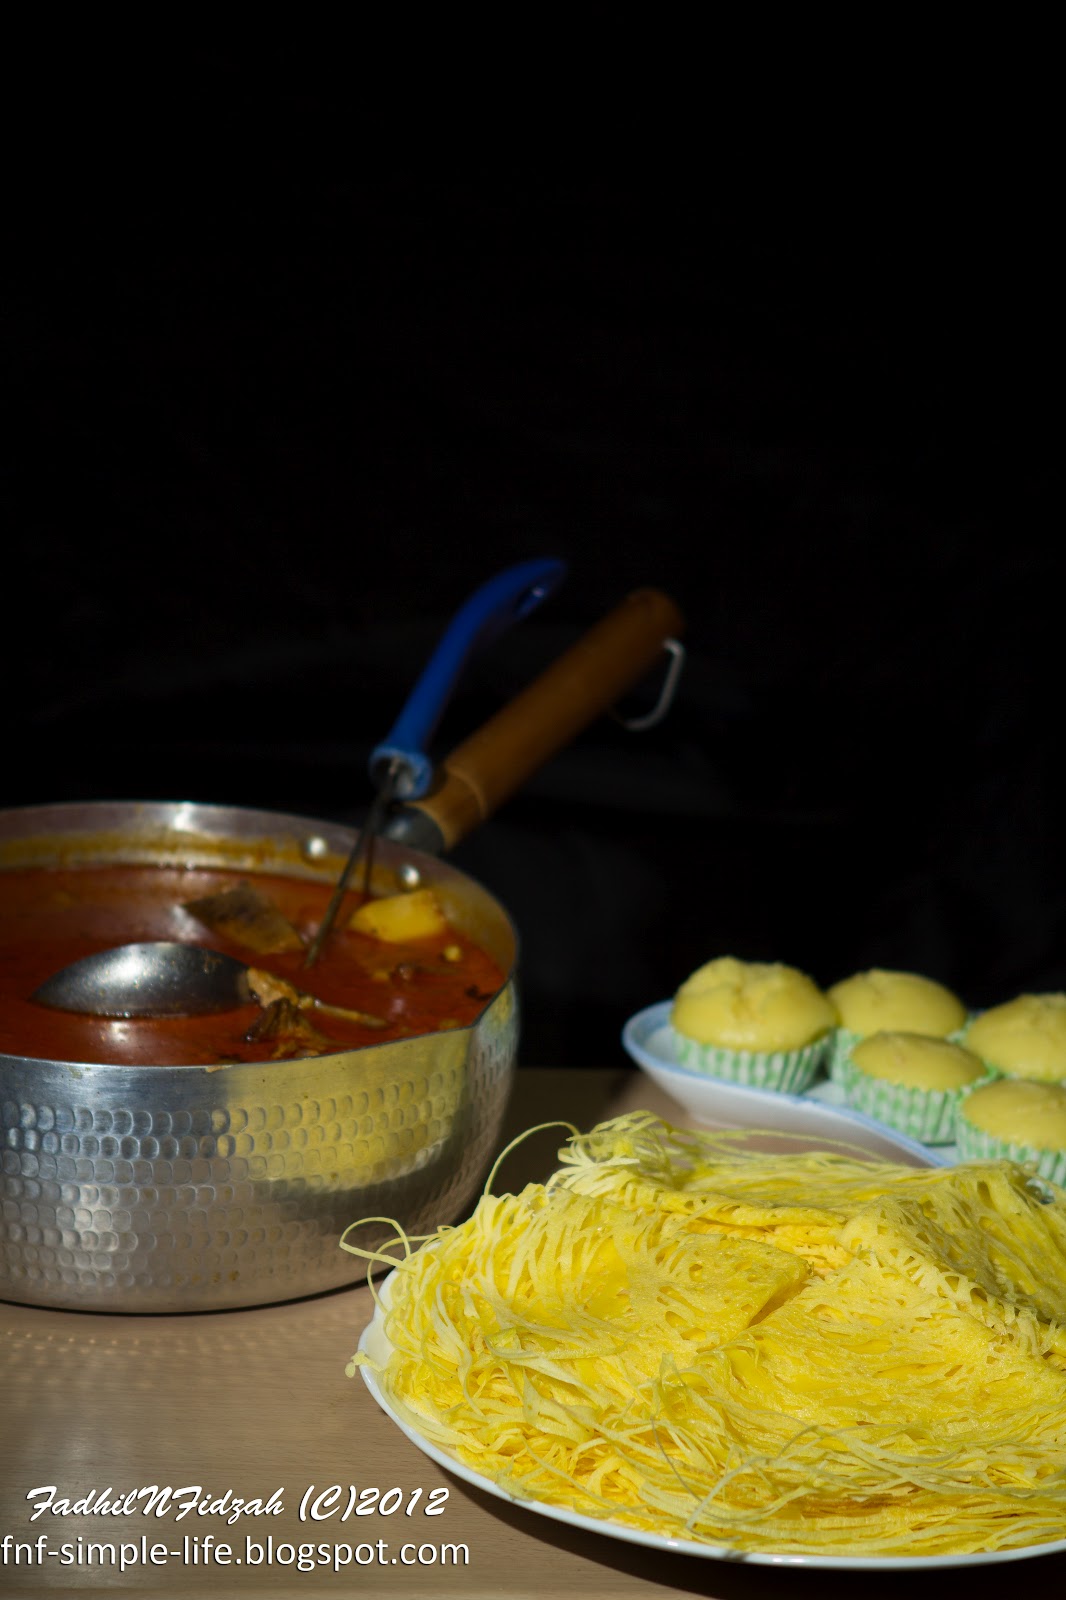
49, 918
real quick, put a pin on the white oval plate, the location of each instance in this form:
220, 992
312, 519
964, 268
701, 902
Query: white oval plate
375, 1343
648, 1038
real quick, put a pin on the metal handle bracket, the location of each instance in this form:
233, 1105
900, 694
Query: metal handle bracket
676, 651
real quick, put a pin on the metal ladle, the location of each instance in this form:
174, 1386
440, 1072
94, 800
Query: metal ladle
165, 979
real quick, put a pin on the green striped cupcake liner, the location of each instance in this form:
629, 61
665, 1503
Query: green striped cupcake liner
840, 1046
976, 1144
786, 1071
928, 1115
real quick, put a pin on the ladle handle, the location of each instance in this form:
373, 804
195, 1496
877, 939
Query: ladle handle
577, 688
503, 600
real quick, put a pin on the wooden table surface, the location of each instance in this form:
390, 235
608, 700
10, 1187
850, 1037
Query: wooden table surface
257, 1402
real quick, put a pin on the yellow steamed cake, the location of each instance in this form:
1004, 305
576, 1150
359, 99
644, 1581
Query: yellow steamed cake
1019, 1111
1025, 1038
870, 1002
751, 1005
917, 1061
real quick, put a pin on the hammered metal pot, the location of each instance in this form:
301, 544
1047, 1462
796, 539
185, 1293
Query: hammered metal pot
162, 1189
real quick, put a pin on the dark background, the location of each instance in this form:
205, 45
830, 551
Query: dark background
284, 387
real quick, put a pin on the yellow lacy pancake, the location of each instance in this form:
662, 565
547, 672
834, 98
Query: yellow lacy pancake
799, 1353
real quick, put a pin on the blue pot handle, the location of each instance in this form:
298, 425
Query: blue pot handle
492, 608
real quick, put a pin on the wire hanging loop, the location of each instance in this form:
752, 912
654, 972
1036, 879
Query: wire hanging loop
676, 653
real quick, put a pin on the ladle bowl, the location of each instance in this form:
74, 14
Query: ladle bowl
158, 978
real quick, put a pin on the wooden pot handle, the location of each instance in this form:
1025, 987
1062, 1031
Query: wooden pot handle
577, 688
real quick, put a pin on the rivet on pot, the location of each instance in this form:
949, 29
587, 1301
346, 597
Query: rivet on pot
314, 847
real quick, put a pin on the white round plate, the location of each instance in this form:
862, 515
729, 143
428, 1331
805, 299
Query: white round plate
818, 1113
375, 1343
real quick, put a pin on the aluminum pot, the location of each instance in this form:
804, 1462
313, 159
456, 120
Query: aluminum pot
162, 1188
